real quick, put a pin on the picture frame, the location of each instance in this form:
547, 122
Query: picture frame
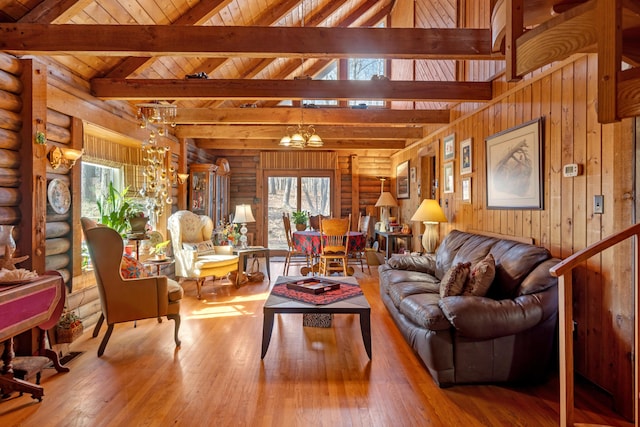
402, 180
466, 156
466, 190
413, 174
450, 147
514, 167
448, 183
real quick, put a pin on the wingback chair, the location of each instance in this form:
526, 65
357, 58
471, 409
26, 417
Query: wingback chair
193, 250
125, 300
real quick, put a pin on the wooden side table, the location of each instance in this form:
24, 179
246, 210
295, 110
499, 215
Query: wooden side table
253, 252
157, 263
391, 241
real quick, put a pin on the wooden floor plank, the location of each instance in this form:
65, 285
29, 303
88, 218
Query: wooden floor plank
309, 376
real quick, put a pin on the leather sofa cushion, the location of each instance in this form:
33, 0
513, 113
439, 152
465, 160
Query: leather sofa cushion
514, 261
423, 310
400, 291
175, 290
539, 279
474, 249
447, 250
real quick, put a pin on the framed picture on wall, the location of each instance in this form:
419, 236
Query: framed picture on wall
466, 190
465, 157
514, 167
413, 174
448, 178
402, 180
450, 147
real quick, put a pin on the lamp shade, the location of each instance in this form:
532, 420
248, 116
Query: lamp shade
386, 199
243, 214
429, 211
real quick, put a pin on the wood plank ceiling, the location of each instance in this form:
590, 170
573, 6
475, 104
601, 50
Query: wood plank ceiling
255, 53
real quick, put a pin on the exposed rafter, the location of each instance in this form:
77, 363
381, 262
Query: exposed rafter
141, 89
327, 116
259, 42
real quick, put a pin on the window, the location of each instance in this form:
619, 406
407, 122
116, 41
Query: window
365, 69
94, 182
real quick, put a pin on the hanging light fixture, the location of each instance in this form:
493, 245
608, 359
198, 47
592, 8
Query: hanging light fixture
157, 175
301, 136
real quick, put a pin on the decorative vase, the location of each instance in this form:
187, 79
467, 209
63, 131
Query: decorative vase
6, 239
301, 227
138, 224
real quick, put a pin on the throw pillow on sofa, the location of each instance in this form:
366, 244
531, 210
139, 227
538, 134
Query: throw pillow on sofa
481, 277
454, 280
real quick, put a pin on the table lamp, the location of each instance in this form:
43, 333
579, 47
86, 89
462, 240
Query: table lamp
242, 216
430, 213
385, 201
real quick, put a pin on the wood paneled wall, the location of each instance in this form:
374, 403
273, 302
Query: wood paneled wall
565, 95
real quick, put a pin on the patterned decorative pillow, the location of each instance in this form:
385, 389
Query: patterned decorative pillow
131, 268
202, 248
454, 280
481, 277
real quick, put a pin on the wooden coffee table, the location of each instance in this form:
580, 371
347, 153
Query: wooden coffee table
354, 305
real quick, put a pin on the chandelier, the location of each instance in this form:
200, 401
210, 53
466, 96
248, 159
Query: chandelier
301, 136
155, 116
157, 174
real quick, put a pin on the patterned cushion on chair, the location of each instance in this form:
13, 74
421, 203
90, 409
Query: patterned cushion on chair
131, 268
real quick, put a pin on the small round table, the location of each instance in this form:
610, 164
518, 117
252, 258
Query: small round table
158, 263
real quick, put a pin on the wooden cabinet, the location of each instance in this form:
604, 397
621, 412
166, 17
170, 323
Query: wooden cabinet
209, 190
202, 189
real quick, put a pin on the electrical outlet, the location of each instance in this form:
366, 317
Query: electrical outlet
598, 204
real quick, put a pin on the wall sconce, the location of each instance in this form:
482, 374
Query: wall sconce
66, 157
182, 178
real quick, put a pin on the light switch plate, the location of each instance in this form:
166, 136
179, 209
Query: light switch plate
598, 204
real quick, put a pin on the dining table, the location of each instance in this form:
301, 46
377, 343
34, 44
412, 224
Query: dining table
308, 241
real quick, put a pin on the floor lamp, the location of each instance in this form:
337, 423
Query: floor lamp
243, 216
430, 213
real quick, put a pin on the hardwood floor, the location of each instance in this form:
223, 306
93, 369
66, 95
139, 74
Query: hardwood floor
309, 377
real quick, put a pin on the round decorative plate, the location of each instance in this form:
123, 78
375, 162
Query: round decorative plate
59, 196
155, 237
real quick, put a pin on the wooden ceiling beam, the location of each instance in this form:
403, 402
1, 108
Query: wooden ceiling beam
148, 89
326, 116
260, 42
260, 145
276, 132
556, 39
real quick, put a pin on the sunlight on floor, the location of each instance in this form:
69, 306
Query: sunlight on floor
235, 306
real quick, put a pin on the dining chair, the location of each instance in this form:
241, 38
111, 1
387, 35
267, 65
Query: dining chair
357, 254
334, 245
126, 300
294, 256
314, 222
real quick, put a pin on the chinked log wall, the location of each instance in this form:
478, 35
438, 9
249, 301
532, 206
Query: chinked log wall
58, 243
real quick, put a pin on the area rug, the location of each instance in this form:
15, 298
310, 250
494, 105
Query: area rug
345, 291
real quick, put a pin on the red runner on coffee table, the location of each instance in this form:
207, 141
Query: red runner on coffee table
346, 291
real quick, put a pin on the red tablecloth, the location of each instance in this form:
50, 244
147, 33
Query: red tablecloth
309, 241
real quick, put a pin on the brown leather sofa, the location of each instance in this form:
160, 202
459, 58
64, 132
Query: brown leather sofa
506, 336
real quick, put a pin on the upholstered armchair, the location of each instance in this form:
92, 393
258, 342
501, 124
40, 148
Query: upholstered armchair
193, 250
126, 300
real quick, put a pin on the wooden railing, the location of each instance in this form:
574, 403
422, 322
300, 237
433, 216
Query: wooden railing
564, 272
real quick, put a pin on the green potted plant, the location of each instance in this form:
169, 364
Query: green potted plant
300, 219
68, 328
114, 209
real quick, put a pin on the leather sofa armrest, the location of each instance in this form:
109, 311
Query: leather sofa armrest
485, 318
422, 264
